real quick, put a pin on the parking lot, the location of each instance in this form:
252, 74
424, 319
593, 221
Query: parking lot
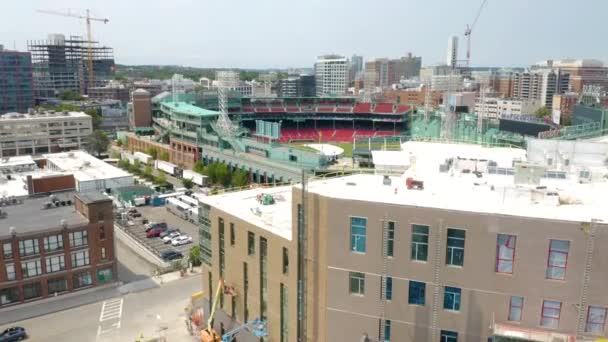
160, 214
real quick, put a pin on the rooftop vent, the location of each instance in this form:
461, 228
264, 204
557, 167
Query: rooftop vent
351, 183
12, 231
386, 180
63, 223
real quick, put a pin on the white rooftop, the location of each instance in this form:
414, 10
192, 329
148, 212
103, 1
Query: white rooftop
275, 218
84, 166
41, 116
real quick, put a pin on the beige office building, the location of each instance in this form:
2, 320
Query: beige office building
483, 252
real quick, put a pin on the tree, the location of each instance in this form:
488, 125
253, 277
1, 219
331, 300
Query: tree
98, 143
119, 143
240, 178
187, 183
161, 179
195, 255
199, 167
223, 175
148, 172
70, 95
115, 155
134, 168
151, 151
124, 164
95, 117
164, 155
211, 172
542, 112
65, 107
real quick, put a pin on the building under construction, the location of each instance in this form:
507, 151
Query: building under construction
61, 64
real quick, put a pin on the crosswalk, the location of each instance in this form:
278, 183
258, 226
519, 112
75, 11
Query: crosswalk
109, 318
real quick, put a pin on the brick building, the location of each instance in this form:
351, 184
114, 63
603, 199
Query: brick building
55, 245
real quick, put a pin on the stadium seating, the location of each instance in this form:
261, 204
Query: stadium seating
386, 108
344, 109
325, 109
402, 109
293, 109
363, 108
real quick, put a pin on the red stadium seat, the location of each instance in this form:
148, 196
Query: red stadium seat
386, 108
363, 108
402, 109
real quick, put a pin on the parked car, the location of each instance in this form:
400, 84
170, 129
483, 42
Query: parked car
13, 334
181, 240
155, 232
168, 238
171, 255
153, 225
167, 232
135, 214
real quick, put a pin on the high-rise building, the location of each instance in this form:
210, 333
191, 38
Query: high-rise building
452, 52
141, 109
577, 73
538, 84
297, 86
408, 66
356, 66
16, 85
331, 75
61, 64
391, 71
495, 107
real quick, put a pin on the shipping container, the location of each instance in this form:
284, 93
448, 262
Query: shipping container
142, 157
196, 177
166, 167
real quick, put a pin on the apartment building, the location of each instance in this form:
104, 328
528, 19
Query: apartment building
507, 252
331, 75
55, 245
16, 84
578, 73
495, 107
43, 132
539, 84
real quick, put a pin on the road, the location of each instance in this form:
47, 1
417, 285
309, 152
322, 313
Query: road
121, 318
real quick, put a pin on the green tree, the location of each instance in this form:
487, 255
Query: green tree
164, 155
199, 167
115, 155
223, 175
240, 178
542, 112
95, 117
151, 151
211, 172
148, 173
98, 143
161, 179
195, 255
124, 164
135, 167
70, 95
119, 143
187, 183
65, 107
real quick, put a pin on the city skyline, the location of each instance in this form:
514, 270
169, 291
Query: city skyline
266, 34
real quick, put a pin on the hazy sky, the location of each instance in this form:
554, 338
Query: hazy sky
287, 33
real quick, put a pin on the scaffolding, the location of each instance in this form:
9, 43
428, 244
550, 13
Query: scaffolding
60, 64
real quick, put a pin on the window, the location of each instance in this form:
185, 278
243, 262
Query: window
7, 249
516, 306
558, 258
55, 264
232, 234
449, 336
82, 279
80, 259
102, 232
505, 253
10, 272
250, 243
9, 295
417, 293
57, 285
263, 277
357, 283
285, 260
455, 247
387, 330
78, 239
420, 242
357, 234
31, 291
28, 247
245, 291
103, 253
104, 275
31, 268
390, 243
284, 314
596, 320
550, 314
451, 298
53, 243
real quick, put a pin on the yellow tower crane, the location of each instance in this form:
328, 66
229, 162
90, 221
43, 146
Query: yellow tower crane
88, 19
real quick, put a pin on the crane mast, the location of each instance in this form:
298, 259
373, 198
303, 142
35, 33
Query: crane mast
469, 29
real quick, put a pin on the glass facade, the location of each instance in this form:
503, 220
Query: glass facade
16, 83
204, 233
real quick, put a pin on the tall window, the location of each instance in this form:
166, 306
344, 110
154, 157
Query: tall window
390, 243
102, 232
263, 278
250, 243
505, 253
53, 243
451, 298
284, 314
449, 336
10, 272
516, 306
31, 268
387, 330
417, 293
285, 260
245, 292
232, 234
558, 259
82, 279
357, 283
455, 247
29, 247
420, 242
55, 263
596, 320
103, 253
550, 314
78, 239
357, 234
80, 258
7, 250
57, 285
388, 293
31, 291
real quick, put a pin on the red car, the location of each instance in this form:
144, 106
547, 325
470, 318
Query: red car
155, 232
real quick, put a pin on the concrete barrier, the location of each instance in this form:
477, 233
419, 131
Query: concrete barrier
138, 248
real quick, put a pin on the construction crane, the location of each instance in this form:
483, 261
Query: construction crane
469, 30
209, 334
88, 19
